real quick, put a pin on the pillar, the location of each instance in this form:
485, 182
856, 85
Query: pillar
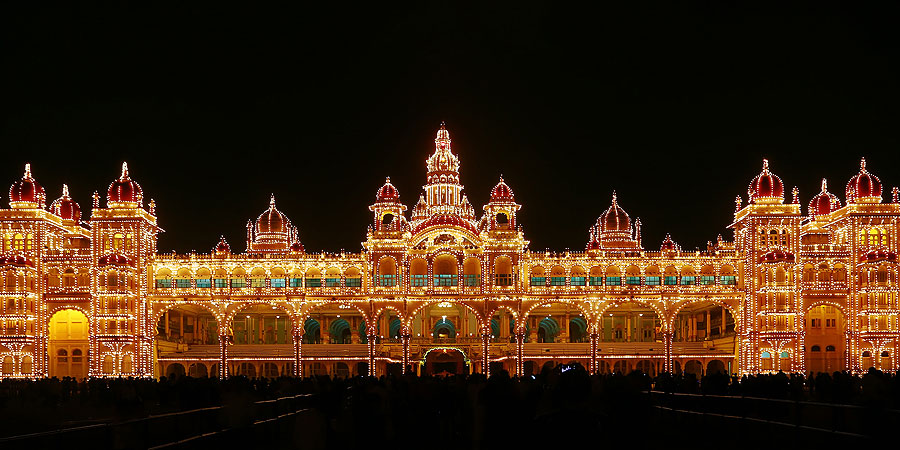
520, 353
668, 366
371, 347
223, 356
298, 355
595, 343
486, 352
708, 316
404, 338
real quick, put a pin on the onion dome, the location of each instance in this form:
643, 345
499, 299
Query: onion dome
65, 207
297, 247
15, 259
878, 255
222, 247
446, 220
668, 244
824, 202
272, 220
766, 187
777, 255
615, 219
124, 192
27, 193
864, 187
114, 259
387, 193
502, 192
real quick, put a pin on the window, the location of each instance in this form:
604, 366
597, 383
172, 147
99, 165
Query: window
163, 283
204, 282
221, 283
354, 282
652, 281
815, 348
504, 279
728, 280
578, 281
277, 282
419, 280
332, 282
613, 281
258, 282
596, 281
815, 323
295, 282
313, 282
830, 323
183, 283
238, 282
707, 280
671, 280
445, 280
387, 280
557, 281
538, 281
472, 280
687, 281
633, 281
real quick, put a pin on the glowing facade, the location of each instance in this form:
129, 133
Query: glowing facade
445, 289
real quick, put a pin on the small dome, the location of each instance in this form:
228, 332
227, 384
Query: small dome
387, 193
15, 259
27, 193
824, 202
614, 219
272, 220
668, 244
766, 187
65, 207
878, 255
114, 259
502, 192
777, 255
222, 247
124, 191
864, 187
297, 247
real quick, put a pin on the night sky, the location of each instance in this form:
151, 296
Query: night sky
217, 105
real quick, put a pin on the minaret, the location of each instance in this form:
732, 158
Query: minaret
443, 193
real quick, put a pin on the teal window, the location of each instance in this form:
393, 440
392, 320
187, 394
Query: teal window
707, 279
472, 280
613, 281
557, 281
445, 280
578, 281
538, 281
182, 283
313, 282
353, 282
503, 279
221, 283
652, 281
204, 282
387, 280
596, 281
332, 282
258, 282
238, 282
686, 281
277, 282
163, 283
633, 281
729, 280
295, 282
419, 280
671, 281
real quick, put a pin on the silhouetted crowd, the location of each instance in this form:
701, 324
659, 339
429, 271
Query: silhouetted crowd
464, 410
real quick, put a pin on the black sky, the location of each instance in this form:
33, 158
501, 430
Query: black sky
216, 105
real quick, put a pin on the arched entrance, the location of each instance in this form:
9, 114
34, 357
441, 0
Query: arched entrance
445, 361
825, 342
68, 345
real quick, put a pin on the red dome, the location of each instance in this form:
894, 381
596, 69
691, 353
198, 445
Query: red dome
297, 247
614, 219
824, 202
446, 220
222, 246
272, 220
777, 255
27, 193
387, 193
766, 187
864, 187
65, 207
668, 244
878, 255
502, 192
15, 260
124, 190
114, 259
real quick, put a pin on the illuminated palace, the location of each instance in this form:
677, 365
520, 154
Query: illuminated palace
445, 289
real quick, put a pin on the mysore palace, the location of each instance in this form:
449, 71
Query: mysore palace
443, 288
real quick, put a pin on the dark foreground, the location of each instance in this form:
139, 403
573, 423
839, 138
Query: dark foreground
561, 408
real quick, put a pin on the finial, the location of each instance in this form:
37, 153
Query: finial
272, 201
896, 193
501, 177
65, 190
27, 171
614, 197
862, 164
443, 125
96, 199
796, 193
124, 170
152, 207
387, 179
765, 165
824, 185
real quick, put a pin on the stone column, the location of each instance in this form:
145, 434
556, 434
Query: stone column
223, 356
520, 353
404, 338
371, 347
595, 343
298, 355
668, 362
486, 351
